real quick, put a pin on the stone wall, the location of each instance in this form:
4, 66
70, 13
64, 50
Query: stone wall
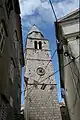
40, 104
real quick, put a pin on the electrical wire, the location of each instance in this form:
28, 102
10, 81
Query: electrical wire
75, 97
52, 73
45, 66
48, 62
57, 71
51, 59
75, 63
74, 80
27, 95
56, 49
53, 10
25, 90
56, 21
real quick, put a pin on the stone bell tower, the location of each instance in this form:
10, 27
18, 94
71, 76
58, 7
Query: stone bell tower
40, 88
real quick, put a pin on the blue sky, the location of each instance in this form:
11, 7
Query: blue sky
39, 12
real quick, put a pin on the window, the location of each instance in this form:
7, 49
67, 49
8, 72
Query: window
9, 6
40, 45
35, 44
11, 70
2, 37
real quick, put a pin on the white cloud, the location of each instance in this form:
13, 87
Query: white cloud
65, 7
38, 11
28, 7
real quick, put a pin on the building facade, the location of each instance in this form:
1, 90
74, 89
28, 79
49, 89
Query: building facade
40, 88
68, 36
11, 59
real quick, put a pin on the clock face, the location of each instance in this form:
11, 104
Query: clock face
40, 71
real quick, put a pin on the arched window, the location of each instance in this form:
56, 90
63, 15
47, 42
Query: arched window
35, 44
40, 45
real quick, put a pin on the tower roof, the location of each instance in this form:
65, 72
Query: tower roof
34, 29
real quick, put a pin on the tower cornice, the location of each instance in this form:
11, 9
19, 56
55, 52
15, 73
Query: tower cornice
33, 38
40, 59
38, 49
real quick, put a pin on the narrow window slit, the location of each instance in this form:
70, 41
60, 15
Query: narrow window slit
35, 44
40, 45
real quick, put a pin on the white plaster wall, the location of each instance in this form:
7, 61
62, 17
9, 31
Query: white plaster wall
71, 82
74, 45
71, 28
71, 77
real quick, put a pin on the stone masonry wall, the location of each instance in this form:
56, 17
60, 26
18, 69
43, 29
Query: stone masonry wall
40, 104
